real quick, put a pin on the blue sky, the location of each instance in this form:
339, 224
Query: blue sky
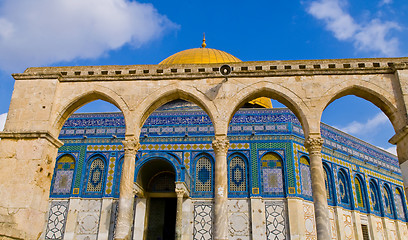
105, 32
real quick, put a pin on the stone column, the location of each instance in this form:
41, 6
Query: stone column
126, 197
314, 146
220, 146
179, 215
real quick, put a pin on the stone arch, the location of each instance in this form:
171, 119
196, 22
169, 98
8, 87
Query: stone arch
370, 92
77, 101
274, 91
168, 94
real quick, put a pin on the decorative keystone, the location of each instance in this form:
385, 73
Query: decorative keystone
220, 144
314, 143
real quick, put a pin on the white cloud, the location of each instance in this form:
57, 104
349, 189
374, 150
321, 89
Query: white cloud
366, 127
2, 120
41, 32
384, 2
371, 36
392, 150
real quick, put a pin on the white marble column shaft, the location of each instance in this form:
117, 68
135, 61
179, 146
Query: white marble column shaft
126, 197
314, 146
220, 146
179, 214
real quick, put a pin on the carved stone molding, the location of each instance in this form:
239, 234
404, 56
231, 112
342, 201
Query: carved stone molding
314, 144
131, 146
220, 144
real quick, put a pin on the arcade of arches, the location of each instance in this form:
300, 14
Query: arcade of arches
47, 180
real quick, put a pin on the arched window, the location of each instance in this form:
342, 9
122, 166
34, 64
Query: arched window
399, 204
204, 172
305, 175
327, 183
95, 176
375, 203
272, 174
344, 189
388, 208
63, 175
237, 175
360, 193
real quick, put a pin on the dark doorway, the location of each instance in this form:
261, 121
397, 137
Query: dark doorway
162, 219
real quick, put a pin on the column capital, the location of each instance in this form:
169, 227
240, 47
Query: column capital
314, 144
131, 145
220, 144
180, 192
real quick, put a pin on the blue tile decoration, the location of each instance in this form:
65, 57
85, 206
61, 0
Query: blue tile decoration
63, 175
204, 173
237, 176
272, 174
305, 177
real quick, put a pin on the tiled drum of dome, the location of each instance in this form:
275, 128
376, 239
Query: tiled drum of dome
237, 175
203, 181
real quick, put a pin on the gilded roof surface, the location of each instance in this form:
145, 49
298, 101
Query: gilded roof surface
200, 56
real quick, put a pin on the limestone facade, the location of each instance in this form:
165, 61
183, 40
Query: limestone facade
44, 98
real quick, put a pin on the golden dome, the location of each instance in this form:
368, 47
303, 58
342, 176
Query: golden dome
200, 56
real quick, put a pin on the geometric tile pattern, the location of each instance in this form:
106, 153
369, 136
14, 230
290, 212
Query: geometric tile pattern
202, 221
237, 174
203, 181
96, 176
275, 212
56, 220
64, 173
111, 171
272, 174
310, 225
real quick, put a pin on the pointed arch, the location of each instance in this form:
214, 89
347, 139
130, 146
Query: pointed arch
173, 92
370, 92
270, 90
400, 205
70, 105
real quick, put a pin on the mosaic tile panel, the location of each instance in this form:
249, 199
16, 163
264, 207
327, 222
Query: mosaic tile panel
239, 221
286, 146
387, 203
272, 174
80, 163
305, 176
96, 176
204, 172
237, 175
202, 221
63, 182
399, 204
375, 204
276, 222
57, 218
310, 224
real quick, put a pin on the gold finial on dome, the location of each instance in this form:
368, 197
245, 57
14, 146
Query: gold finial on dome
203, 45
